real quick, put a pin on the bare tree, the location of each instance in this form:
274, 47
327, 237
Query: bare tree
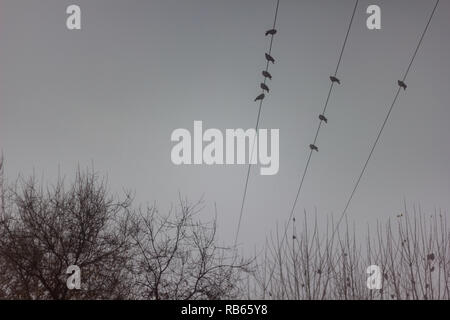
413, 253
180, 258
44, 231
122, 253
125, 253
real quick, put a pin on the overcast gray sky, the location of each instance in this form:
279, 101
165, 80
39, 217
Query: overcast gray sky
113, 93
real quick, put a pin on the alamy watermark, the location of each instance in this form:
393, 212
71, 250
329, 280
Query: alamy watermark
74, 280
236, 146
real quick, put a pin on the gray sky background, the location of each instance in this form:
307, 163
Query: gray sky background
113, 93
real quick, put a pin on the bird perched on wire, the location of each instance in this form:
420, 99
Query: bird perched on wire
313, 147
402, 84
334, 79
264, 87
271, 32
266, 74
260, 97
270, 58
322, 118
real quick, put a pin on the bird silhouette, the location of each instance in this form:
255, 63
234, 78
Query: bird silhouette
271, 32
313, 147
334, 79
322, 118
270, 58
264, 87
402, 84
266, 74
260, 97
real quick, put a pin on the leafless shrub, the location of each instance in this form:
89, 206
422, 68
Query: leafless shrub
413, 253
179, 258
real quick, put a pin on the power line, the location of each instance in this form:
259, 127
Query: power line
318, 130
256, 129
385, 120
320, 123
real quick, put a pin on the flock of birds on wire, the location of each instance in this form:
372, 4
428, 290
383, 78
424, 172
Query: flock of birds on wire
267, 75
323, 119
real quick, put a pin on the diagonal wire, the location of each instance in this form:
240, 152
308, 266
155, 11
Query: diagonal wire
256, 129
320, 123
384, 122
317, 132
